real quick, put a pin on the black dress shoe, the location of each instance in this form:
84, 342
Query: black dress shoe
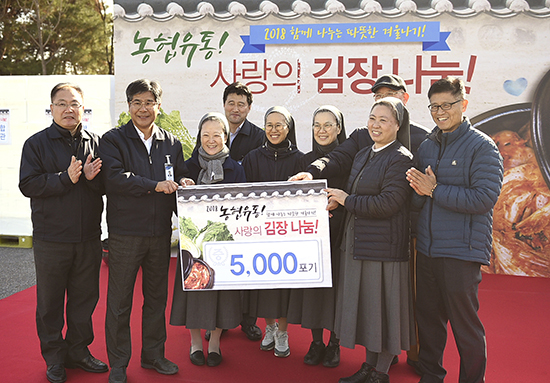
89, 364
361, 376
378, 377
395, 360
414, 364
213, 359
56, 373
315, 354
197, 357
332, 355
161, 365
252, 332
118, 375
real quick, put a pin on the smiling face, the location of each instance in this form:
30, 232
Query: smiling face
276, 128
448, 120
144, 116
236, 109
382, 126
325, 128
65, 115
212, 137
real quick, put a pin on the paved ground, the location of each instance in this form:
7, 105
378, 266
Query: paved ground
16, 270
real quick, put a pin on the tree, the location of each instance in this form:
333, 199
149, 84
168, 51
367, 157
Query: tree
56, 37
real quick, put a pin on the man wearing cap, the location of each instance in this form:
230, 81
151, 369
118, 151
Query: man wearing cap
391, 85
342, 156
388, 85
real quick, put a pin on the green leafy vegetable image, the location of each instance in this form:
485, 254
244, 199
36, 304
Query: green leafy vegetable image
214, 231
188, 228
192, 239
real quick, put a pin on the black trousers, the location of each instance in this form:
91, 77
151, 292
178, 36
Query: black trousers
71, 270
447, 291
127, 254
248, 320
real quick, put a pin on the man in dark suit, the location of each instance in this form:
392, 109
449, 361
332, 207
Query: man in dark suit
140, 202
244, 136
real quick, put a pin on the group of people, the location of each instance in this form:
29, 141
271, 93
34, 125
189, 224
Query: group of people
410, 225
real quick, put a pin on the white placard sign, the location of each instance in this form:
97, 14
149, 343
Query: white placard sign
254, 236
5, 136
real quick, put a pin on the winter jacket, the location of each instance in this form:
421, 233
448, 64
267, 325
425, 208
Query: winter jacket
232, 171
380, 204
266, 164
131, 175
457, 221
61, 211
341, 158
249, 138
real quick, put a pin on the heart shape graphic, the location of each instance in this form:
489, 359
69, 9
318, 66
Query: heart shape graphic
515, 88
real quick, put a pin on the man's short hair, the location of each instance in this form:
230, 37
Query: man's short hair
141, 86
65, 85
239, 89
452, 85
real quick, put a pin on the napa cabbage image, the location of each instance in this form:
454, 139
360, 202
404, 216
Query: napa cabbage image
213, 232
192, 239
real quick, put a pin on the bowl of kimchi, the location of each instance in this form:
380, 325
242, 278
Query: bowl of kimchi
521, 216
198, 275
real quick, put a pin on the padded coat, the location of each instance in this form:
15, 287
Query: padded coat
380, 204
457, 222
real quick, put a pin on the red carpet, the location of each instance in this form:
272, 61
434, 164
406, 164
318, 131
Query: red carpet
515, 311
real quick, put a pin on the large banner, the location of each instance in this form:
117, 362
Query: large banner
303, 62
254, 236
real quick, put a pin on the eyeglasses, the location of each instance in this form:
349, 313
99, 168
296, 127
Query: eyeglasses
379, 96
139, 104
64, 105
277, 127
326, 127
445, 106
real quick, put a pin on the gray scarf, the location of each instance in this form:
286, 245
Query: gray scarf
211, 166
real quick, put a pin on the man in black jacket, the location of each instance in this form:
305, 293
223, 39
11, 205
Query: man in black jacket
342, 156
59, 168
140, 188
244, 136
